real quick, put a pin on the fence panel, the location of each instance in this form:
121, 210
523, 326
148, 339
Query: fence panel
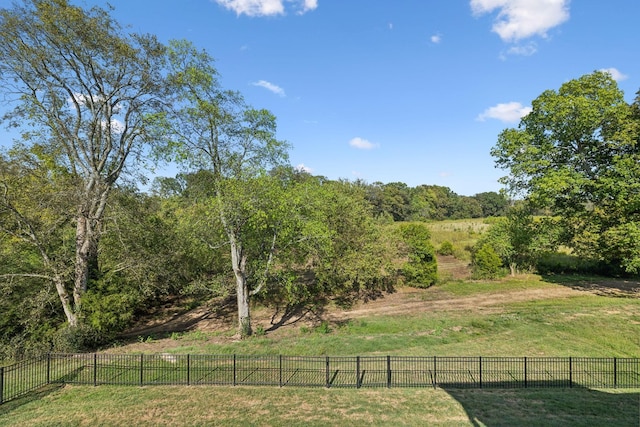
457, 372
318, 371
308, 371
628, 373
22, 377
212, 369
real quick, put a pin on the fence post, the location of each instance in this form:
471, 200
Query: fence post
615, 372
280, 370
326, 372
435, 371
525, 372
570, 372
235, 381
357, 371
480, 368
188, 369
141, 369
388, 371
48, 369
1, 384
95, 369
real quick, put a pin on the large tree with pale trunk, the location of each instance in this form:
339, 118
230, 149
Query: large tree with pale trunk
214, 130
81, 91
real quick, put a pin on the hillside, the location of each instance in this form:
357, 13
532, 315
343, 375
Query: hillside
465, 304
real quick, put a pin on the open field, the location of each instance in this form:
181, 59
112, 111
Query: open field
462, 233
523, 316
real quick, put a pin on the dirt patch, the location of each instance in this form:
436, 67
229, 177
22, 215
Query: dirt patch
451, 267
397, 304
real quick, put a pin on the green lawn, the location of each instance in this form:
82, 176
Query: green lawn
267, 406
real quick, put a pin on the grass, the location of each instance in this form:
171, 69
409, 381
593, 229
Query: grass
265, 406
454, 319
471, 324
461, 233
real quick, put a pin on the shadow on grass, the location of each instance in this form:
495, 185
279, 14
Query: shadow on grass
600, 285
549, 407
32, 396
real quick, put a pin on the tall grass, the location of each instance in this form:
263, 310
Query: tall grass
463, 234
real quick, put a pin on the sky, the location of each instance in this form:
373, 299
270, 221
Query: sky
412, 91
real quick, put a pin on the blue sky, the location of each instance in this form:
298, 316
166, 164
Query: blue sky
398, 90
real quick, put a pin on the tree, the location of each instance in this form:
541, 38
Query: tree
350, 253
35, 246
82, 92
492, 203
519, 240
214, 130
577, 153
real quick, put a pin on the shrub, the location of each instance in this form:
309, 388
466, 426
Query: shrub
421, 269
76, 339
446, 248
486, 263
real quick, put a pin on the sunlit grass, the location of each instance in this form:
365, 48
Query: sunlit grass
463, 234
269, 406
581, 325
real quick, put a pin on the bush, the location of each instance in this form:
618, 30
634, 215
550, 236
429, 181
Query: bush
486, 263
446, 248
421, 269
76, 339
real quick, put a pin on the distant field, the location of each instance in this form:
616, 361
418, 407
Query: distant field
522, 316
461, 233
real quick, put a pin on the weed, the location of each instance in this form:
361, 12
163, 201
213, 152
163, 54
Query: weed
323, 328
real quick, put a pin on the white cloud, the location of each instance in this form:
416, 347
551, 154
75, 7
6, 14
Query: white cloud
521, 19
308, 5
436, 38
266, 7
117, 126
615, 74
270, 87
302, 168
523, 50
509, 112
362, 144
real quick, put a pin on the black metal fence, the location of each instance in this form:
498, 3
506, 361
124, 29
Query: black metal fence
322, 371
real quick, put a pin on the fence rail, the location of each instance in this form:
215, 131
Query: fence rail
317, 371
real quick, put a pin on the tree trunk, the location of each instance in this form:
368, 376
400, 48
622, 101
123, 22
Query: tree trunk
239, 264
88, 222
83, 254
72, 318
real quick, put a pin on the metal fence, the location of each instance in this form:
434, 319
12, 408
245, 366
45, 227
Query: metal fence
321, 371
